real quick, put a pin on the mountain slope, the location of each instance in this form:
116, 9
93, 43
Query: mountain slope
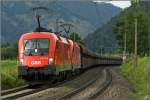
104, 37
17, 17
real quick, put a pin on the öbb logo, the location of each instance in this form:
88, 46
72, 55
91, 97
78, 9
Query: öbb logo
35, 62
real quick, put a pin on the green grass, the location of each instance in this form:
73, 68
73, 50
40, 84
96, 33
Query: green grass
139, 77
9, 74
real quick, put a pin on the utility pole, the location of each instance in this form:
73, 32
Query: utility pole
135, 36
149, 39
135, 45
125, 46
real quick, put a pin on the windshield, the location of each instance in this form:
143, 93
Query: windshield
33, 47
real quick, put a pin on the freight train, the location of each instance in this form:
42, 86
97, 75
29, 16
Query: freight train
46, 56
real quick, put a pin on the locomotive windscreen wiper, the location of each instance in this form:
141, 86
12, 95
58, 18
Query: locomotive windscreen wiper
30, 53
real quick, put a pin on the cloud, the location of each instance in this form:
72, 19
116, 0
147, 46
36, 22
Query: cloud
122, 4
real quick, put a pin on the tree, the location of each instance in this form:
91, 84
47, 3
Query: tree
9, 51
75, 37
125, 24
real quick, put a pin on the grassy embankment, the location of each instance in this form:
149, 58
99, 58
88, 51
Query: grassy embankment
9, 74
139, 77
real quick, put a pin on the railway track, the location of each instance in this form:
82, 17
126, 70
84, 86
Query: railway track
72, 93
23, 91
5, 92
79, 92
26, 90
56, 92
103, 86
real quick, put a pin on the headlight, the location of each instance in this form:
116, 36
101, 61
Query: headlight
51, 61
21, 62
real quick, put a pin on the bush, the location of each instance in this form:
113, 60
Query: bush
138, 76
9, 51
9, 74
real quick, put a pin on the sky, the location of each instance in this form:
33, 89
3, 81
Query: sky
119, 3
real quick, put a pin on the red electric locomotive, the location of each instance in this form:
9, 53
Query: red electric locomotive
42, 55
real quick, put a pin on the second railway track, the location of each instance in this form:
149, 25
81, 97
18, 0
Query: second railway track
5, 92
101, 88
26, 90
14, 94
90, 90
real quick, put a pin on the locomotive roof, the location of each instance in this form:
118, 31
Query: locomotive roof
33, 35
39, 35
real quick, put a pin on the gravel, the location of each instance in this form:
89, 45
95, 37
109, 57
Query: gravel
91, 89
120, 89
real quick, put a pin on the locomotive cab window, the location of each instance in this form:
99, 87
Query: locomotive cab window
36, 47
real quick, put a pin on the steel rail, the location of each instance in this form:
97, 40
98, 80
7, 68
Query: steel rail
29, 91
21, 93
78, 90
5, 92
103, 86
